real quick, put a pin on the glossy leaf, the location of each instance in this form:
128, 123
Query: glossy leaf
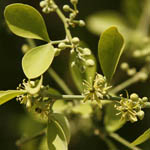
25, 21
56, 139
63, 122
78, 76
37, 60
111, 120
110, 48
5, 96
141, 139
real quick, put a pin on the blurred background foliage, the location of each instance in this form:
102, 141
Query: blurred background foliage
99, 14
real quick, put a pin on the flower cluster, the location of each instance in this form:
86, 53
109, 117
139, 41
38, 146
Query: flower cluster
98, 90
131, 108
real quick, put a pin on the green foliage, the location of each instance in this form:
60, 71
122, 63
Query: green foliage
111, 120
141, 139
58, 134
5, 96
100, 21
110, 48
37, 60
25, 21
78, 75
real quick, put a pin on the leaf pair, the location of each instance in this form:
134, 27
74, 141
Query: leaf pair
25, 21
58, 132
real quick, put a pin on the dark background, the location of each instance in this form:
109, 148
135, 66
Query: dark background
11, 73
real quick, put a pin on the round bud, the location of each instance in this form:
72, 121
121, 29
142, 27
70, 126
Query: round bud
72, 15
143, 76
43, 4
140, 114
72, 64
124, 66
57, 51
66, 8
32, 83
46, 10
28, 104
134, 97
62, 45
86, 51
25, 48
75, 40
74, 1
144, 99
81, 23
72, 51
90, 62
136, 53
131, 71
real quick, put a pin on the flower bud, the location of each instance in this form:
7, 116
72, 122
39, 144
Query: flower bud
140, 114
57, 51
131, 71
90, 62
81, 23
43, 4
75, 40
124, 66
134, 97
74, 2
62, 45
66, 8
144, 99
86, 51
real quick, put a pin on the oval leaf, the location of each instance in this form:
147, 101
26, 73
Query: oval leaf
37, 60
111, 120
110, 48
141, 139
5, 96
63, 122
56, 139
25, 21
78, 76
100, 21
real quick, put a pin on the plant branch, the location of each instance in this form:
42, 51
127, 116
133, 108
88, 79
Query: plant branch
59, 81
64, 20
25, 140
123, 141
137, 77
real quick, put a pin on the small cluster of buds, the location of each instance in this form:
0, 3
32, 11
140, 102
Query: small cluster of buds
97, 90
130, 71
131, 108
48, 6
73, 13
82, 56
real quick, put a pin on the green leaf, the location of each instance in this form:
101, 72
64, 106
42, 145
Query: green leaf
78, 76
100, 21
141, 139
37, 60
5, 96
63, 122
56, 138
111, 120
25, 21
110, 48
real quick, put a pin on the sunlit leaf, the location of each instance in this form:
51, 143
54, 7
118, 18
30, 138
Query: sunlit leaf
141, 139
111, 120
56, 138
79, 76
63, 122
100, 21
37, 60
5, 96
25, 21
110, 48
